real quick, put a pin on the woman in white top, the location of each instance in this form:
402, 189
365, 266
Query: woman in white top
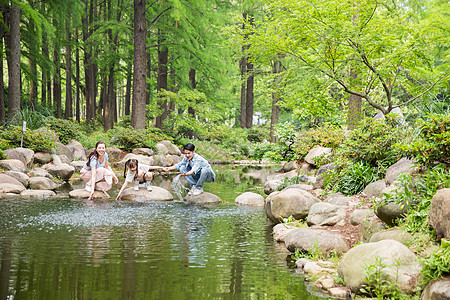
139, 173
96, 172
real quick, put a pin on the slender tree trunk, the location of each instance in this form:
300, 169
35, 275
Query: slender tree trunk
163, 55
138, 108
193, 83
243, 67
33, 68
128, 94
14, 62
149, 75
46, 99
107, 113
89, 67
68, 108
57, 79
43, 76
77, 80
354, 114
2, 84
275, 98
249, 96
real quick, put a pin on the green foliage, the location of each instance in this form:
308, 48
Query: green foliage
34, 119
37, 140
433, 142
351, 178
130, 138
372, 143
258, 134
437, 264
377, 284
67, 130
290, 181
326, 136
3, 146
416, 193
210, 150
277, 152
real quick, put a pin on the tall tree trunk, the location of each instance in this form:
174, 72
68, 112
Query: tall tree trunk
275, 98
163, 56
243, 67
148, 90
138, 107
89, 67
193, 83
68, 108
14, 62
57, 79
2, 84
43, 76
77, 79
128, 94
249, 95
108, 117
32, 59
46, 99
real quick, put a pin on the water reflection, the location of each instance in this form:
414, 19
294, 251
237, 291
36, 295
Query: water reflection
66, 249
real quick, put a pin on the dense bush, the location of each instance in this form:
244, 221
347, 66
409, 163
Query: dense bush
129, 138
3, 146
351, 178
373, 143
326, 136
437, 264
37, 140
65, 129
433, 142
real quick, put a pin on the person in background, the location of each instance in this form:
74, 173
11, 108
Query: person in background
195, 169
139, 173
96, 172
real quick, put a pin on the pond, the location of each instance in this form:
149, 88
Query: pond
71, 249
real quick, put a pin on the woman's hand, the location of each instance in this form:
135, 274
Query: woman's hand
116, 180
118, 197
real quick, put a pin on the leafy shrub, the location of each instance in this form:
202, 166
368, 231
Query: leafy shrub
433, 143
3, 146
437, 264
416, 192
258, 134
37, 140
326, 136
67, 130
33, 119
373, 143
130, 138
350, 179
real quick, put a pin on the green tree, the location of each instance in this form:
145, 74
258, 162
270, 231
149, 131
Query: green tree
386, 46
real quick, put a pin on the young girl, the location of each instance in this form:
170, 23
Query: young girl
139, 173
96, 172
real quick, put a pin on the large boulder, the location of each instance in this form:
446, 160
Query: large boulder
78, 165
41, 183
78, 151
39, 194
289, 166
14, 154
369, 227
250, 198
271, 186
323, 213
161, 160
203, 198
22, 177
62, 149
28, 154
83, 194
10, 184
301, 186
397, 111
142, 159
161, 149
142, 195
13, 165
42, 158
375, 189
352, 267
282, 176
315, 153
173, 150
115, 154
359, 216
291, 202
341, 200
62, 171
308, 239
440, 213
437, 290
39, 172
281, 230
404, 165
398, 235
391, 212
143, 151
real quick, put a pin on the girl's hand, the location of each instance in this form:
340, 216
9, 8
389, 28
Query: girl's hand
116, 180
118, 197
91, 196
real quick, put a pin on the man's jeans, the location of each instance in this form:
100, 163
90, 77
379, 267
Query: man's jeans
206, 175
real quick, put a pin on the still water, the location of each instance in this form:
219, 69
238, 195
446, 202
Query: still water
71, 249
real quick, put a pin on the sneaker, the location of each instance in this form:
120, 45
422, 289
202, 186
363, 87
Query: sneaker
148, 186
136, 186
88, 188
197, 191
191, 190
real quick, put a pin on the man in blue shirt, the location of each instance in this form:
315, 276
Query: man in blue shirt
195, 169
